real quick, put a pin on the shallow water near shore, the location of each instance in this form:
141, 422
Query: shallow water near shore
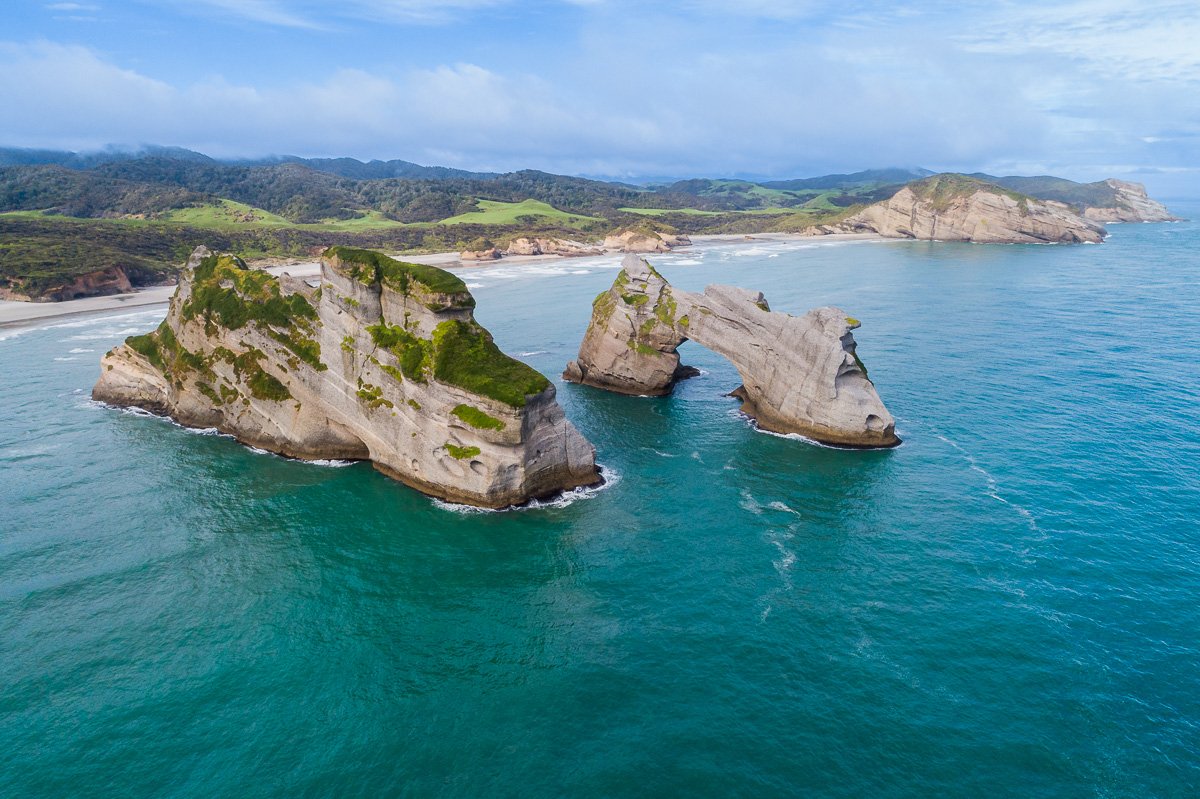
1006, 605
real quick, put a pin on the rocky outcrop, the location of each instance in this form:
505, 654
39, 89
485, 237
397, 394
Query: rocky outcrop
384, 361
640, 240
799, 374
112, 280
198, 255
1130, 204
532, 245
485, 254
959, 208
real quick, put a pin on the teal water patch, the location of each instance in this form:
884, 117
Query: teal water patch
1005, 605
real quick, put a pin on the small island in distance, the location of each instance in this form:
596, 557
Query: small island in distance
76, 225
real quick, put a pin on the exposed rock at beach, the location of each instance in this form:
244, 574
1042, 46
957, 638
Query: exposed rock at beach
640, 240
1131, 204
485, 254
112, 280
383, 362
799, 374
529, 245
960, 208
98, 283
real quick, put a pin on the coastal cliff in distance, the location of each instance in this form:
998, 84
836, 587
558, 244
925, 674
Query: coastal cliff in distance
1130, 204
799, 374
952, 207
383, 361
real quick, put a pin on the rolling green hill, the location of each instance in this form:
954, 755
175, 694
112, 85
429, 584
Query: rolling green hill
63, 214
494, 212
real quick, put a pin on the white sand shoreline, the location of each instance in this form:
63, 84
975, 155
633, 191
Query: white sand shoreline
23, 314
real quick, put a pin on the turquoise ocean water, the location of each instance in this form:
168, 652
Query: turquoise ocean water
1006, 605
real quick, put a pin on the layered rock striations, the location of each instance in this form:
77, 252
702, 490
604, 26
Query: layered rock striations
383, 361
799, 374
1130, 204
960, 208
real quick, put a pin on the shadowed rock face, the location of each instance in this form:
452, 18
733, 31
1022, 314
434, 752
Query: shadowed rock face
383, 362
799, 374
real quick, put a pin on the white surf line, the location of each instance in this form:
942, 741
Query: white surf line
993, 485
563, 500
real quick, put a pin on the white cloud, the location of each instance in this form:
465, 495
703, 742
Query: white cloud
269, 12
622, 103
1153, 40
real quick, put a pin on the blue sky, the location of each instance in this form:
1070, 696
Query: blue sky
1086, 89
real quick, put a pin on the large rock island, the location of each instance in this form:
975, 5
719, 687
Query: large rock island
382, 361
951, 207
799, 374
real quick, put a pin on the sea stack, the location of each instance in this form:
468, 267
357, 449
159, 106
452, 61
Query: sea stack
799, 374
382, 361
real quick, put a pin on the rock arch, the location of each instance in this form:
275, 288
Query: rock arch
799, 374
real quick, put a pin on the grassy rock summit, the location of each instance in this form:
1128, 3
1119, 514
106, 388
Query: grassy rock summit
799, 374
383, 361
963, 208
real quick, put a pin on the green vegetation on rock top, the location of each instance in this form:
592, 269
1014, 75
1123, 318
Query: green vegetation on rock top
369, 266
465, 355
941, 190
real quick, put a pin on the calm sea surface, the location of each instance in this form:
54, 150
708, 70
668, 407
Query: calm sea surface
1006, 605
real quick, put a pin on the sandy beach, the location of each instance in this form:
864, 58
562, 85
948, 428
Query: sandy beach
20, 314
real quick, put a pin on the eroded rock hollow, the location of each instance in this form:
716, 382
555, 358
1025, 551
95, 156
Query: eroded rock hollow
382, 361
799, 374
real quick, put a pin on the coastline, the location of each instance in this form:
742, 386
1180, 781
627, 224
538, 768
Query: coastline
15, 314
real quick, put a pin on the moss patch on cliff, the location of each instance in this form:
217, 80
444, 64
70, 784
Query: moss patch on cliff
861, 365
166, 354
226, 293
373, 396
413, 353
265, 386
369, 267
461, 453
147, 346
465, 355
666, 307
477, 418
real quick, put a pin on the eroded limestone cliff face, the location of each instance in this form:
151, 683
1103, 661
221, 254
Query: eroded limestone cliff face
799, 374
1132, 204
956, 208
645, 241
538, 245
383, 361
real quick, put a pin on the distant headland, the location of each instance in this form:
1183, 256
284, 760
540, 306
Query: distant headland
77, 225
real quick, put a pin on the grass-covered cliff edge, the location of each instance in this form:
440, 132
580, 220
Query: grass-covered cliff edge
382, 361
63, 215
